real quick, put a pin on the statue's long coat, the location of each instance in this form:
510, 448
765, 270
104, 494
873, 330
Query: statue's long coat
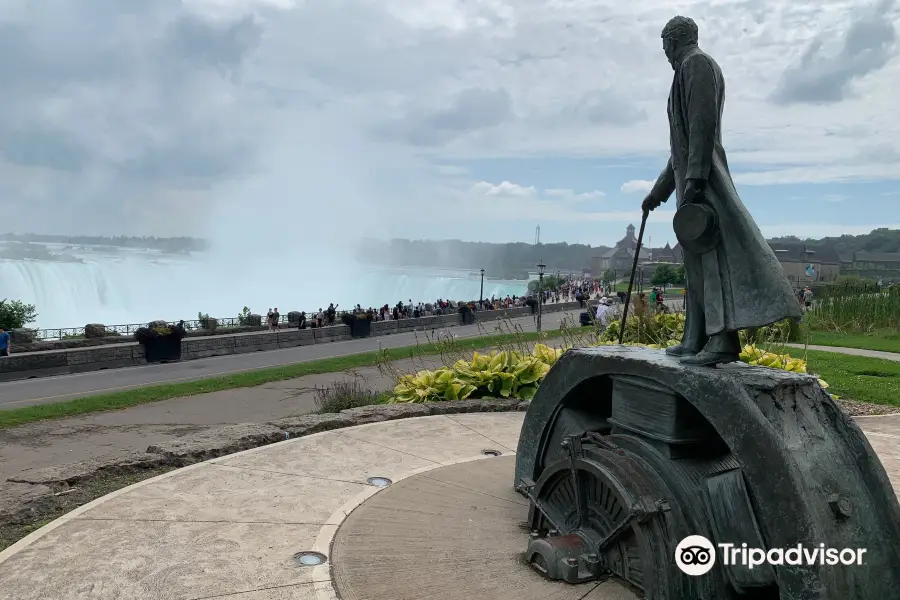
740, 284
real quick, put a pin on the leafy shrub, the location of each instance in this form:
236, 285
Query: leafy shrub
658, 329
207, 322
431, 386
506, 374
661, 330
342, 395
551, 282
15, 314
243, 317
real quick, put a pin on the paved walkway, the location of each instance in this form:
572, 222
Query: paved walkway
854, 351
231, 527
74, 439
15, 394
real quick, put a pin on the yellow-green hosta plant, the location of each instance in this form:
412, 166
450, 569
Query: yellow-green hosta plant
546, 354
431, 386
506, 374
755, 356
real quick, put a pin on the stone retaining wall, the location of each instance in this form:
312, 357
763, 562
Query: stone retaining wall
28, 365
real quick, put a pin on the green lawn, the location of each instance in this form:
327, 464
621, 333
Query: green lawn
156, 393
857, 377
853, 377
886, 341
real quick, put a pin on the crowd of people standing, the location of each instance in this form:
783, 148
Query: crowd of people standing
579, 290
415, 310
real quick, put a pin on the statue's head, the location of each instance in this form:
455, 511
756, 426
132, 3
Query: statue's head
678, 34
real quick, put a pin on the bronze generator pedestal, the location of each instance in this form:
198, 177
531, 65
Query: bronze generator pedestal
625, 452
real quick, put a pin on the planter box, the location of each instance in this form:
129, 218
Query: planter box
162, 349
360, 328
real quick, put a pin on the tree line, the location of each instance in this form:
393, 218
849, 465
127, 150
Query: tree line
170, 244
878, 240
495, 259
498, 258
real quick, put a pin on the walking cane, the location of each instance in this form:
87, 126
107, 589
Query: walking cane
637, 255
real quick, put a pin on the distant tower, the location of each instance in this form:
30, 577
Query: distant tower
537, 235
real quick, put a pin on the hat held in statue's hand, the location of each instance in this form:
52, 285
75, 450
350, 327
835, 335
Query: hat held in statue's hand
696, 227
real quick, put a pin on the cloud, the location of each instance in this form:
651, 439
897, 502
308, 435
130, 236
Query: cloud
637, 186
817, 174
103, 111
568, 195
821, 76
490, 201
451, 170
513, 190
504, 188
471, 110
605, 107
168, 117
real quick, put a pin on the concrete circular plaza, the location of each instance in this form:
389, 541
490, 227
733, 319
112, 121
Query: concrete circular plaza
448, 527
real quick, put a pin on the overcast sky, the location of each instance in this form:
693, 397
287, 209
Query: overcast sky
472, 119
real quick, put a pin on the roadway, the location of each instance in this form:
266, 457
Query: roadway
30, 392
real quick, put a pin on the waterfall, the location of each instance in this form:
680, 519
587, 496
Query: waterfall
136, 288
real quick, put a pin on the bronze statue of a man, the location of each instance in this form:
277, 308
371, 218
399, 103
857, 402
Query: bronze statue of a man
738, 283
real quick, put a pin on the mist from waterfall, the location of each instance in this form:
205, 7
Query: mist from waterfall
127, 289
283, 232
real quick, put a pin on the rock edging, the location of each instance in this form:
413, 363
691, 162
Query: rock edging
213, 443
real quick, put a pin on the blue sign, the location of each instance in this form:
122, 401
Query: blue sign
810, 272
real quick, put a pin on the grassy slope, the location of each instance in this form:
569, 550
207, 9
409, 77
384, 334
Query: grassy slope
156, 393
852, 377
857, 377
886, 341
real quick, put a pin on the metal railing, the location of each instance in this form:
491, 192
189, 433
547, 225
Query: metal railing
225, 323
65, 333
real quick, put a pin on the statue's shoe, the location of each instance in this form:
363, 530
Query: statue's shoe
705, 358
680, 350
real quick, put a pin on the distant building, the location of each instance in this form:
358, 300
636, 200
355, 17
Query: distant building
803, 266
621, 257
876, 261
846, 260
667, 254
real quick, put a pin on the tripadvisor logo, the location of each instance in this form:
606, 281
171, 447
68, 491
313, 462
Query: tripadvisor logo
695, 555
